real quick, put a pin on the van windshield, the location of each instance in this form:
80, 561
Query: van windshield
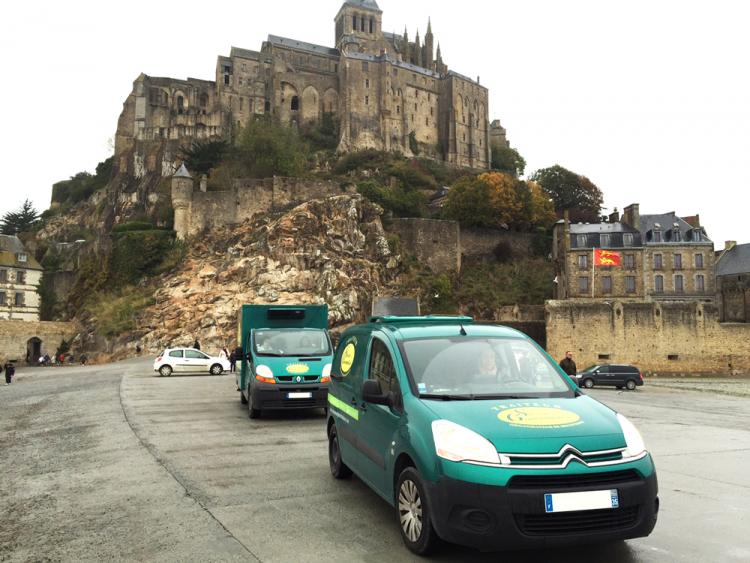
292, 342
481, 368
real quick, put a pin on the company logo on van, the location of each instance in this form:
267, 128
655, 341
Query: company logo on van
347, 357
539, 417
297, 368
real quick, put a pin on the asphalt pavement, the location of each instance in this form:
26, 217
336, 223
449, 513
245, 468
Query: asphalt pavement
111, 462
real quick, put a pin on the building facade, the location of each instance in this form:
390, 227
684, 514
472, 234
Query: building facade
733, 282
387, 92
662, 257
20, 276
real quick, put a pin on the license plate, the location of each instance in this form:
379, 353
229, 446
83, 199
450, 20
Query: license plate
588, 500
299, 395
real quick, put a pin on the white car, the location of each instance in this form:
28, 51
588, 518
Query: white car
189, 360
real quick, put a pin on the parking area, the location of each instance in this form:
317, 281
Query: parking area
261, 490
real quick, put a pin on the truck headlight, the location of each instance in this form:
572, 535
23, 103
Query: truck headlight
264, 374
456, 443
326, 375
633, 440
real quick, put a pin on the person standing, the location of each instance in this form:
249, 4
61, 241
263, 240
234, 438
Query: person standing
196, 344
233, 362
568, 365
224, 353
10, 371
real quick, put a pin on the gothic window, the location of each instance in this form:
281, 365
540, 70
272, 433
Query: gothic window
295, 103
267, 106
354, 23
398, 110
180, 105
204, 100
362, 24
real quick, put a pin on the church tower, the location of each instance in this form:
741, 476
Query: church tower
359, 21
429, 44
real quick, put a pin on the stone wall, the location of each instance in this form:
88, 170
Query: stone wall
437, 244
247, 199
15, 337
477, 242
658, 337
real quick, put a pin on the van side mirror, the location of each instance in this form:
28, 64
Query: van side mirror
373, 393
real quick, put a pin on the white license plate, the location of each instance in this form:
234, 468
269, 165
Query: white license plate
299, 395
588, 500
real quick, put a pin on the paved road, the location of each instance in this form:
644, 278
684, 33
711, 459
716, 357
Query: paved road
113, 463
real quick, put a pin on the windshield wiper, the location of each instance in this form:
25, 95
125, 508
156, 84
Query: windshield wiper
447, 397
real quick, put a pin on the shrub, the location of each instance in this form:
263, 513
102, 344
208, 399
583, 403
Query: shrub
117, 311
268, 148
136, 254
400, 202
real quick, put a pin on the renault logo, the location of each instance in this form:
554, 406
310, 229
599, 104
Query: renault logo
299, 379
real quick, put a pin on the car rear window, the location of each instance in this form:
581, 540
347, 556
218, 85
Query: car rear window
175, 354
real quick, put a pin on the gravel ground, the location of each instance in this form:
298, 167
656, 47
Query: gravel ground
736, 386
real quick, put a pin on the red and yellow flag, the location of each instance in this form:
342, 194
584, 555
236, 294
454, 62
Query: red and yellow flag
607, 258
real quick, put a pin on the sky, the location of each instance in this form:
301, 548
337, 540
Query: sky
650, 99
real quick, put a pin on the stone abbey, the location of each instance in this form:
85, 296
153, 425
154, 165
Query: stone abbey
387, 92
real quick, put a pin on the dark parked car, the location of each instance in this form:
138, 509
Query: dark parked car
614, 375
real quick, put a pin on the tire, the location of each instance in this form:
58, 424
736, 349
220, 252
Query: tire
216, 369
165, 371
243, 400
630, 385
413, 513
252, 412
619, 386
339, 469
588, 383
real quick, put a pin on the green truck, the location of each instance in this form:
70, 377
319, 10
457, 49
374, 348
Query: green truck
285, 356
476, 436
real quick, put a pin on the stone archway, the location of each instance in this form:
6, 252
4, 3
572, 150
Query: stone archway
33, 350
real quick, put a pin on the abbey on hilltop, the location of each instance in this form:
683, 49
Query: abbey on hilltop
388, 93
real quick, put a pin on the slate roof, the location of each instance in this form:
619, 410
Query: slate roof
591, 228
182, 172
302, 46
369, 4
10, 247
735, 261
667, 222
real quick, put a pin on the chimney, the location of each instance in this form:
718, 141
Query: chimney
632, 216
614, 217
729, 245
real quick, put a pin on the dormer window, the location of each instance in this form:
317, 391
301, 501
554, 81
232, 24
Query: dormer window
22, 257
657, 236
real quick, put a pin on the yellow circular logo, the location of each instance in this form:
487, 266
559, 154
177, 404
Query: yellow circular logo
297, 368
539, 417
347, 358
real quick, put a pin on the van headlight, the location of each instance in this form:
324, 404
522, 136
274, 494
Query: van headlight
326, 375
456, 443
264, 375
633, 439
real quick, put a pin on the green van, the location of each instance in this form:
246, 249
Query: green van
477, 437
286, 356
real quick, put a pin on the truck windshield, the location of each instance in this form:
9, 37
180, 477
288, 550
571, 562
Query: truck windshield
292, 343
481, 368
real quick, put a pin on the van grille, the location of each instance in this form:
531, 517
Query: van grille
549, 482
575, 523
293, 379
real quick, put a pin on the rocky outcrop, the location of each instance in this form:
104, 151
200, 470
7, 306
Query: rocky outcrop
330, 251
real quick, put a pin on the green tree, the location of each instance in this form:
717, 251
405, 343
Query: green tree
268, 148
324, 134
572, 192
202, 156
506, 159
82, 185
20, 221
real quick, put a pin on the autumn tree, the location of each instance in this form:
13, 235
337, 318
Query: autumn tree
572, 192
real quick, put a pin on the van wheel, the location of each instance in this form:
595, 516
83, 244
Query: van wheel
339, 469
216, 369
243, 400
630, 385
165, 371
413, 511
252, 412
588, 383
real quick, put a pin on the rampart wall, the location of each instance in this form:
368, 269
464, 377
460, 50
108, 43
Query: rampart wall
659, 337
15, 337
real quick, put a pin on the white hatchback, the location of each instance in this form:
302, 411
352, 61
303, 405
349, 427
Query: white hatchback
189, 360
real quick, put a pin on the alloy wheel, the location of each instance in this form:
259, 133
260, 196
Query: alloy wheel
410, 510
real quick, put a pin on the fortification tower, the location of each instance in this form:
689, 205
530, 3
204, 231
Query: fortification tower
360, 21
182, 197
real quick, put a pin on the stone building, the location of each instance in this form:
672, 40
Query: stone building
20, 276
663, 257
733, 282
387, 92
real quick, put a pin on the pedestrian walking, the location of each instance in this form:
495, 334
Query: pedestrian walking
10, 371
196, 344
232, 362
568, 365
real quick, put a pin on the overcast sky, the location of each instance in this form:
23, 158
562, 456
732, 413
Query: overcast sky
649, 99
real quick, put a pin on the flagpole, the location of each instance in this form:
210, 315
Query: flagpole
593, 270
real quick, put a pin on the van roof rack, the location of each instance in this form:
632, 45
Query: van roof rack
444, 319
